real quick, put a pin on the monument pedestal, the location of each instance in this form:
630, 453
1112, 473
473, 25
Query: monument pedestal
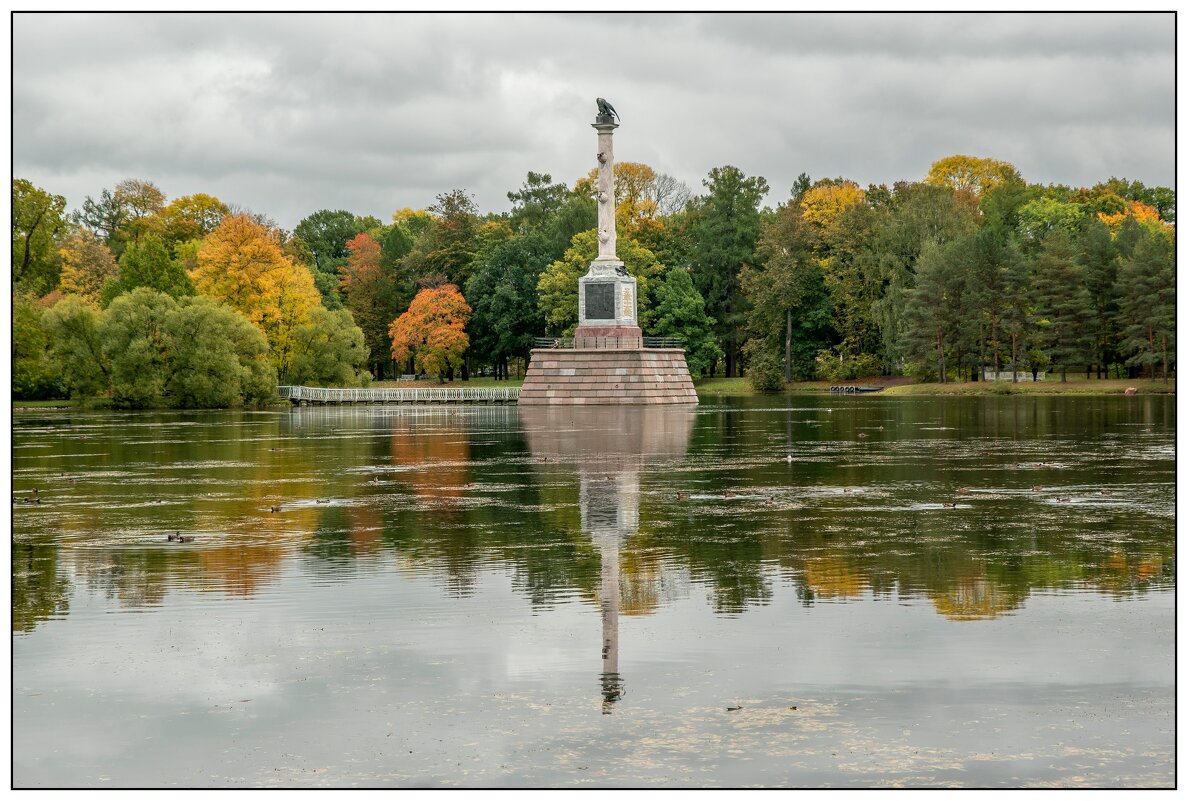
608, 336
607, 376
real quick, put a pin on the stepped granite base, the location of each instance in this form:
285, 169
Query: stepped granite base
605, 376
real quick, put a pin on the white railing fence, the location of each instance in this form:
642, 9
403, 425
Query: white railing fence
400, 395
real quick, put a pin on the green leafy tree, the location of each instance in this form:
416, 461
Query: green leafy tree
329, 351
933, 311
915, 213
1064, 308
148, 264
1040, 217
724, 232
502, 293
33, 372
103, 216
36, 221
680, 312
444, 253
558, 284
578, 213
537, 202
326, 233
216, 358
76, 347
1098, 258
135, 340
995, 295
789, 317
1148, 303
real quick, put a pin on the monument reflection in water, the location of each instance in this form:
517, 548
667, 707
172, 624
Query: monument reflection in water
607, 447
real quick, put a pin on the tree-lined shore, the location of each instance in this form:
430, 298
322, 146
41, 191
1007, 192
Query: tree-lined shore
194, 302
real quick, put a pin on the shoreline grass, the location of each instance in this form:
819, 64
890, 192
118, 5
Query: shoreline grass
898, 387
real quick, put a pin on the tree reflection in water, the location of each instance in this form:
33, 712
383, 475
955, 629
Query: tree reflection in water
583, 503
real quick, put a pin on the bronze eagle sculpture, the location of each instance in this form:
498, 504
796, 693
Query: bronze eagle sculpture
605, 109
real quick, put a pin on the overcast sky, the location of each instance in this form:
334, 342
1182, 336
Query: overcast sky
286, 114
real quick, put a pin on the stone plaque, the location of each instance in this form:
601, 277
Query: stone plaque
600, 301
629, 301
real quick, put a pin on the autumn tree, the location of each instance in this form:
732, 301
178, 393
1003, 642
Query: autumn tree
432, 331
36, 221
371, 294
124, 215
241, 264
970, 173
326, 234
141, 202
642, 196
87, 264
839, 222
190, 217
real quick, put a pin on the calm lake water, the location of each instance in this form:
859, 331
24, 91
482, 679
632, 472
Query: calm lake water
758, 592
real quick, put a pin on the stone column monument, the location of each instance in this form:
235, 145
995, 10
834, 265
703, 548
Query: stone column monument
606, 294
608, 362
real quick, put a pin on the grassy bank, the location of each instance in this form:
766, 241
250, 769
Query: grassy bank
1109, 386
42, 404
711, 387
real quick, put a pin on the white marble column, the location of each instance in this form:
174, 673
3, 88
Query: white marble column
606, 188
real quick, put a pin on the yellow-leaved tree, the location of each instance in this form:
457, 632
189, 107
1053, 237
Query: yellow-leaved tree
823, 203
970, 173
87, 264
241, 263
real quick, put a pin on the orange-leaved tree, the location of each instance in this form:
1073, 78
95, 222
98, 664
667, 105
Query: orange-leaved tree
432, 331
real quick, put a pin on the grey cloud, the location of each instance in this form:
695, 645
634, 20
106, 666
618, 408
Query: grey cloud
288, 113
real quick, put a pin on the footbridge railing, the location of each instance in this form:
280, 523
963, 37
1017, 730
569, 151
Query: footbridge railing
326, 395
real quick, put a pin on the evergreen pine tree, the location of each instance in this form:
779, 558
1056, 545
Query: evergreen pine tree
1064, 310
